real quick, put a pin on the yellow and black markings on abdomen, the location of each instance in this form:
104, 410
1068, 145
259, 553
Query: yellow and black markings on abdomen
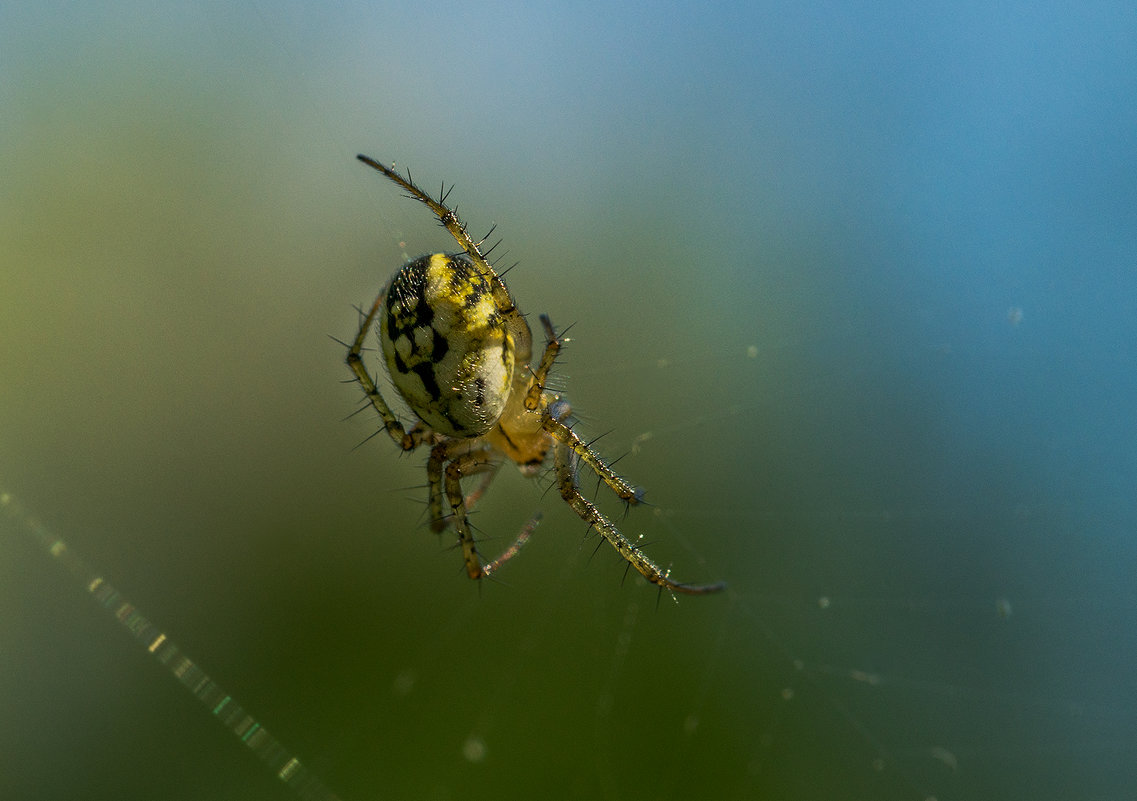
446, 345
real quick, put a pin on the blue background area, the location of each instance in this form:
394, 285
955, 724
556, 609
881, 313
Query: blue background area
854, 286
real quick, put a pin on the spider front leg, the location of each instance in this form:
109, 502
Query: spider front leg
568, 445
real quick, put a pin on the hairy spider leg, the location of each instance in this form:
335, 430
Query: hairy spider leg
473, 462
568, 446
565, 437
469, 464
559, 411
541, 374
478, 459
447, 216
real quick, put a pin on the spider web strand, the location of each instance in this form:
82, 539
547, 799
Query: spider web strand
221, 705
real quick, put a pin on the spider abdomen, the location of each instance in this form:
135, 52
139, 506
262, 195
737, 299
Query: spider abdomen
448, 349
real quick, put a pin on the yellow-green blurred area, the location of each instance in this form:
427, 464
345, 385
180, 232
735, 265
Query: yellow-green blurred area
852, 291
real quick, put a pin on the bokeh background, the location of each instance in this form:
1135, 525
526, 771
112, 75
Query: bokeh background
853, 286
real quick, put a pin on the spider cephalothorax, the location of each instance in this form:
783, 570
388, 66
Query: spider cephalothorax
459, 352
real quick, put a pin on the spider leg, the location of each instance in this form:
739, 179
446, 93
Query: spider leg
407, 440
541, 374
564, 435
566, 447
447, 216
445, 452
434, 465
512, 551
453, 485
465, 464
490, 472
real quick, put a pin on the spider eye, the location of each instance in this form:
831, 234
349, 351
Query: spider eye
446, 344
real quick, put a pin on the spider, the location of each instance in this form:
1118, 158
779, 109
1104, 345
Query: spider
458, 351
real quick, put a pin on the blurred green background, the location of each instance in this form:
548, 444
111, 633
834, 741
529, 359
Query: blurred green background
853, 286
